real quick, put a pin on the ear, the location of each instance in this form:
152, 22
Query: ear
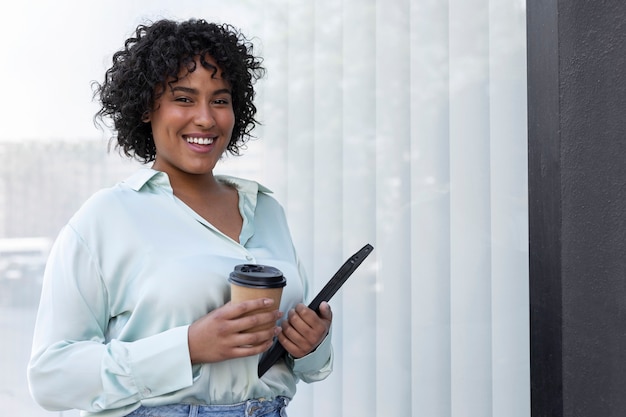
145, 117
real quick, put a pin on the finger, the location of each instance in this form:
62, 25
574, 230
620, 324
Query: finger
325, 311
253, 320
312, 322
291, 347
231, 310
307, 328
297, 319
257, 338
298, 333
250, 349
290, 331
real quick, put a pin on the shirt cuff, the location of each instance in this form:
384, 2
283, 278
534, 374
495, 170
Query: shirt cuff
161, 363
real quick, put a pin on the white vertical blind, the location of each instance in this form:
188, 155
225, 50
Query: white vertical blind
470, 212
431, 332
393, 203
357, 376
402, 123
509, 209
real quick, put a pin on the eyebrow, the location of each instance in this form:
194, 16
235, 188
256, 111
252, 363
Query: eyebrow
195, 91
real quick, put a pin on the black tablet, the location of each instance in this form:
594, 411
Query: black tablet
277, 351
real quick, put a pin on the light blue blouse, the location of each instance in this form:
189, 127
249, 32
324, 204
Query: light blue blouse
132, 269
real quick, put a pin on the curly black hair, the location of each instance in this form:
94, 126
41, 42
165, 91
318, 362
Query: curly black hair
153, 57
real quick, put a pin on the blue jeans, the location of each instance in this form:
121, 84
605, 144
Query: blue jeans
250, 408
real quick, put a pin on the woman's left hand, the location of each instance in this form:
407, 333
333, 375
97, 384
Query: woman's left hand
304, 329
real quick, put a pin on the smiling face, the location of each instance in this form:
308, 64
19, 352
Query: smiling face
192, 123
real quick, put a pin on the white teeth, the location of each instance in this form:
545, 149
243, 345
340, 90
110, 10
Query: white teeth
200, 141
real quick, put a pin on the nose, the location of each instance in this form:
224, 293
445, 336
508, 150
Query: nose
203, 116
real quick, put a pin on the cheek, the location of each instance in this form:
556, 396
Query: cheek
164, 122
229, 121
227, 124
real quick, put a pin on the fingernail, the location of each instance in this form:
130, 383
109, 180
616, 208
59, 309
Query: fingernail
268, 301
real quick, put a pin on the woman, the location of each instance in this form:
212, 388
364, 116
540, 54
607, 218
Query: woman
135, 316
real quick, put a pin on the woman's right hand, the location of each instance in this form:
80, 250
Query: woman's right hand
220, 335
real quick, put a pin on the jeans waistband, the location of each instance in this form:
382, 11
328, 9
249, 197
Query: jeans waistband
251, 408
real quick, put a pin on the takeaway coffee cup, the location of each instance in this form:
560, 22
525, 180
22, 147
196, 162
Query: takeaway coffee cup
250, 281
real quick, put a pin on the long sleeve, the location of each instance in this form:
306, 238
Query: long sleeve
73, 365
317, 365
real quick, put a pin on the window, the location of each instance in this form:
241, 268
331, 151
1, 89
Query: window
397, 123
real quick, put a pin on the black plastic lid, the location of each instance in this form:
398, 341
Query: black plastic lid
257, 276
